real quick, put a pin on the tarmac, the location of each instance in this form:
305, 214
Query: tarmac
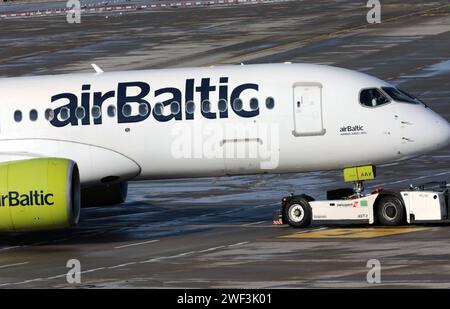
217, 232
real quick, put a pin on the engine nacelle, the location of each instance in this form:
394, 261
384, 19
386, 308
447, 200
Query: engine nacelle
39, 194
109, 194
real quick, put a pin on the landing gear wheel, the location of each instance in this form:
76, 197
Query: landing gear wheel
297, 213
390, 211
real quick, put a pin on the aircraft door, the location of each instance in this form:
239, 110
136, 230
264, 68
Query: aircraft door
307, 102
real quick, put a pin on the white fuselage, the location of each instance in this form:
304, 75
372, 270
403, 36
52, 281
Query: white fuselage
317, 122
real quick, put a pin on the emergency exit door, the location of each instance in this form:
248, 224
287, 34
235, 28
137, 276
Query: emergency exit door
308, 110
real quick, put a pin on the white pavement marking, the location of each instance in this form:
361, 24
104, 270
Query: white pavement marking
13, 265
122, 7
137, 244
211, 249
238, 244
180, 255
122, 265
55, 277
92, 270
152, 260
10, 248
156, 259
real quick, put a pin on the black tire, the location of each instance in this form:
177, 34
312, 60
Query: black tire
297, 213
390, 211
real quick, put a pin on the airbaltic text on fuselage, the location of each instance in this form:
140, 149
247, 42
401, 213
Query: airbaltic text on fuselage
141, 95
31, 198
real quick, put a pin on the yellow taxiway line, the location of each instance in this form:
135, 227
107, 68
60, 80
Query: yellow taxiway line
354, 232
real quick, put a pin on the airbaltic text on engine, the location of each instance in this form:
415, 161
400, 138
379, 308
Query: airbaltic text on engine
32, 198
122, 97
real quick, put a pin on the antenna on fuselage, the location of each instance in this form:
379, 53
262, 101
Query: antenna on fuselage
97, 68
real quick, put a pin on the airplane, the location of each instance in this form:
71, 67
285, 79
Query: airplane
75, 140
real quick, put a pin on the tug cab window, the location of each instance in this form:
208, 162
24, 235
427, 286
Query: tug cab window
373, 97
401, 96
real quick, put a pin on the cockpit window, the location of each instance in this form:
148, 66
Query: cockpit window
401, 96
372, 97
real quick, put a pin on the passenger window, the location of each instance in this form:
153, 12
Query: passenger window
79, 112
143, 109
401, 96
18, 116
158, 109
174, 107
372, 97
111, 111
190, 107
49, 114
270, 103
126, 110
237, 105
96, 111
206, 106
64, 113
33, 115
223, 105
254, 104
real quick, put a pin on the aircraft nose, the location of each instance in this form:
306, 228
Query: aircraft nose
430, 132
442, 133
447, 142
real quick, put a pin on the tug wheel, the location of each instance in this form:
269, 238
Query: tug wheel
297, 213
390, 211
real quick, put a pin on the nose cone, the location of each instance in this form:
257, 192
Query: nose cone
439, 132
446, 134
427, 132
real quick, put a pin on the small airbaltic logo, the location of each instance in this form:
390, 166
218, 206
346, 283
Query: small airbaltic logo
32, 198
138, 93
352, 130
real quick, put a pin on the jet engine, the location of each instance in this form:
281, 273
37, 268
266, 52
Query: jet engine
39, 194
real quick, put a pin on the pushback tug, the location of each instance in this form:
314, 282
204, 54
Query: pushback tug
427, 203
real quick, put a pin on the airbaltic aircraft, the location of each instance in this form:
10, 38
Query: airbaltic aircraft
77, 139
